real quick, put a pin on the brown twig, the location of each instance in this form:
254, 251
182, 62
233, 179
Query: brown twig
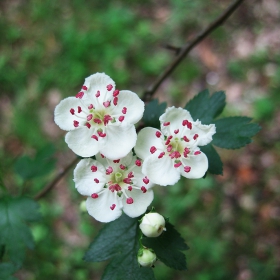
59, 176
188, 47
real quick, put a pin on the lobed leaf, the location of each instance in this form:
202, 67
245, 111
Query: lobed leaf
153, 110
205, 107
15, 234
214, 160
6, 271
234, 132
118, 241
168, 247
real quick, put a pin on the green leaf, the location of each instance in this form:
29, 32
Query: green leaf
153, 110
6, 271
118, 241
205, 108
15, 234
41, 165
214, 160
234, 132
168, 247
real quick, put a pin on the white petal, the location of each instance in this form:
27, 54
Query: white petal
133, 104
99, 82
146, 139
205, 132
141, 201
81, 143
84, 177
161, 171
175, 116
119, 141
126, 161
62, 116
198, 164
99, 208
138, 177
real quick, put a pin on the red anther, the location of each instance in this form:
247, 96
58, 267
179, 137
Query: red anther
98, 121
186, 152
102, 156
79, 109
175, 154
89, 117
185, 138
197, 153
146, 180
166, 123
115, 101
189, 125
94, 137
113, 206
176, 165
169, 137
84, 88
109, 87
94, 195
72, 111
195, 136
117, 187
121, 118
167, 142
161, 154
124, 110
93, 168
116, 160
90, 106
96, 180
169, 148
130, 175
158, 134
97, 94
106, 119
138, 162
116, 92
76, 123
109, 170
129, 188
122, 167
80, 94
101, 134
129, 200
106, 104
153, 149
127, 180
176, 131
143, 189
88, 125
187, 169
184, 122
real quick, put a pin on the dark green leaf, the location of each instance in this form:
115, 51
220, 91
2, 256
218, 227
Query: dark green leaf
205, 107
215, 163
234, 132
15, 234
168, 247
119, 240
41, 165
6, 271
153, 110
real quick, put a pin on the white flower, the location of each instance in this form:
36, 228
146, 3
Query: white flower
152, 225
146, 257
100, 118
113, 186
174, 151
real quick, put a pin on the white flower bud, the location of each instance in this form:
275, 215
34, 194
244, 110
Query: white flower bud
152, 225
146, 257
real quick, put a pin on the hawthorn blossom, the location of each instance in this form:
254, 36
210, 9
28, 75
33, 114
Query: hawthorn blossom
113, 186
100, 118
174, 150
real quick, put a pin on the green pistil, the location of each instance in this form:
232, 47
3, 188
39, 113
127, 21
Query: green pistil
118, 177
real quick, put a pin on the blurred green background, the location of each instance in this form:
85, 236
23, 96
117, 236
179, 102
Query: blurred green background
231, 223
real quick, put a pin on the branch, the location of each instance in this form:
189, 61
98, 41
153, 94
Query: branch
188, 47
59, 176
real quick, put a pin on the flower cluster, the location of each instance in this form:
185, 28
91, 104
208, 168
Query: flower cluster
100, 121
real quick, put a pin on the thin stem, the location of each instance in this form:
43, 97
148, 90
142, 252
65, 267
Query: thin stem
188, 47
59, 176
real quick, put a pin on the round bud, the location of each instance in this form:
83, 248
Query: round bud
146, 257
152, 225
